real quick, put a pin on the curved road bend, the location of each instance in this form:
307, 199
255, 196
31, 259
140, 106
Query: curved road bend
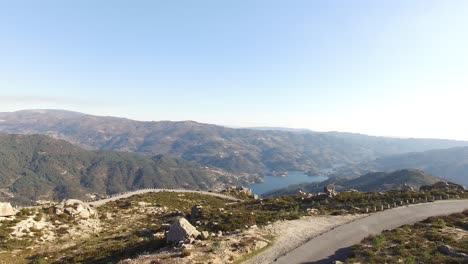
126, 195
335, 244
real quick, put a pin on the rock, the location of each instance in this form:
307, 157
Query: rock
181, 230
260, 244
220, 234
406, 187
6, 210
447, 250
75, 207
442, 185
330, 190
196, 211
143, 204
312, 211
43, 203
159, 235
165, 227
205, 235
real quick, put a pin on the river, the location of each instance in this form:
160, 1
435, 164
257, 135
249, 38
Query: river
276, 182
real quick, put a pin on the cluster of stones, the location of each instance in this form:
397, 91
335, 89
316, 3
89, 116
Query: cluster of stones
74, 207
240, 190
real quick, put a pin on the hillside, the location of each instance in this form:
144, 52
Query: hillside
39, 167
237, 150
375, 181
136, 229
442, 239
450, 163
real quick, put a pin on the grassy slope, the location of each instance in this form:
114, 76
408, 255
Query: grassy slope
416, 243
129, 231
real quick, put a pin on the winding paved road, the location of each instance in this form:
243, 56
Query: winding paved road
128, 194
335, 244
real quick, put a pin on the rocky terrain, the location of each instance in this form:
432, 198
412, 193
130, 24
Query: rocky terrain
175, 227
235, 150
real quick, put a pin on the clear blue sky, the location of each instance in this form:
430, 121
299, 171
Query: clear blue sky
394, 67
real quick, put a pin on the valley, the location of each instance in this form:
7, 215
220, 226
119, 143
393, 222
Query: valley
90, 189
233, 150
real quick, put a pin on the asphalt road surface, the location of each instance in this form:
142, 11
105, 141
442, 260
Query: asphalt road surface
335, 244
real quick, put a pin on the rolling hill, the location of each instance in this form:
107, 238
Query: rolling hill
375, 181
36, 167
235, 150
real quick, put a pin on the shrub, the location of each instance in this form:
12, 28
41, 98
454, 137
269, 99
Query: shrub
379, 242
185, 253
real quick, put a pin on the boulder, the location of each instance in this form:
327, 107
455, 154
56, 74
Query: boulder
205, 235
6, 210
330, 190
196, 211
181, 230
75, 207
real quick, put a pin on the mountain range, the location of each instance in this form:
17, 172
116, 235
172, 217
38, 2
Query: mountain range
374, 181
36, 167
449, 163
234, 150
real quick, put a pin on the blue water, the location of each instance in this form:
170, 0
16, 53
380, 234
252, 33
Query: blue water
275, 182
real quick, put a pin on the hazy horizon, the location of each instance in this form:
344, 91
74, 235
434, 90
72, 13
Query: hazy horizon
290, 129
395, 68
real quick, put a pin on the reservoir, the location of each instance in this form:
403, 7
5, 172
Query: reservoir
276, 182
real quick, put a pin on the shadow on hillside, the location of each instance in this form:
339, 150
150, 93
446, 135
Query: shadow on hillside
340, 254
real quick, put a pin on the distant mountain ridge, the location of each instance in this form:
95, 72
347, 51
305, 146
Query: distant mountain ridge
236, 150
449, 163
36, 167
374, 181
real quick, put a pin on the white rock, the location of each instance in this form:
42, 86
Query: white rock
75, 208
6, 210
181, 230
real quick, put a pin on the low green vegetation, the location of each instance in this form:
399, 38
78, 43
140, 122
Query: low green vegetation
418, 243
262, 212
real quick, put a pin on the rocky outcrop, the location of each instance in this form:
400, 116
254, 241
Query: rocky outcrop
75, 207
181, 230
6, 210
196, 211
442, 185
239, 191
330, 190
